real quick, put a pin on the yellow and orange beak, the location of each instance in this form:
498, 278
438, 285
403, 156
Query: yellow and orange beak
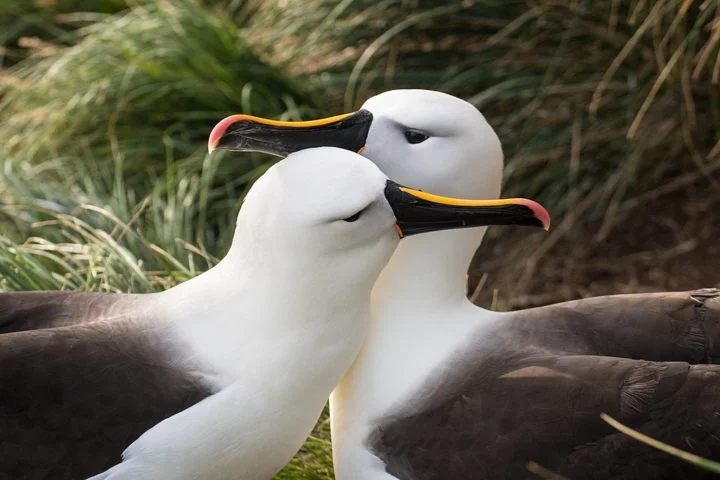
420, 212
247, 133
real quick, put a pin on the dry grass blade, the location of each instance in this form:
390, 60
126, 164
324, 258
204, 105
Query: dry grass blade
543, 472
696, 460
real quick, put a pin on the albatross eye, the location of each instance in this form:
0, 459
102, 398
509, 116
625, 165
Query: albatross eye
353, 218
415, 136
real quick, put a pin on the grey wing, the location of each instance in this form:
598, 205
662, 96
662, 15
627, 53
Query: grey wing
670, 326
22, 311
500, 410
73, 398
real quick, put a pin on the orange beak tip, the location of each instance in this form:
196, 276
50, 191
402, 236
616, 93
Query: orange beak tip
219, 130
539, 211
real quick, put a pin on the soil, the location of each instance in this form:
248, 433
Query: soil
669, 243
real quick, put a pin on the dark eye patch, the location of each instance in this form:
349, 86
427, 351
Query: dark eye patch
415, 136
353, 218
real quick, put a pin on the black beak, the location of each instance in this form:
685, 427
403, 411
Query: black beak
248, 133
418, 212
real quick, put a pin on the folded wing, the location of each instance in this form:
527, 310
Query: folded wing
506, 400
74, 397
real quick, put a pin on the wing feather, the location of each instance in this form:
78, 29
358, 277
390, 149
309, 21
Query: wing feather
72, 398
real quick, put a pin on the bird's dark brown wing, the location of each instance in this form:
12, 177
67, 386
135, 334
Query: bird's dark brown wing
21, 311
73, 398
675, 326
503, 403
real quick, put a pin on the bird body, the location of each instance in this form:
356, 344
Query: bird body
214, 378
443, 389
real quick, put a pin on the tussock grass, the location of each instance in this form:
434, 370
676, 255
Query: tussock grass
119, 120
42, 24
90, 248
138, 85
182, 207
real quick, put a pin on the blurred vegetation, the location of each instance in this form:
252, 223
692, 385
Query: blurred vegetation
608, 110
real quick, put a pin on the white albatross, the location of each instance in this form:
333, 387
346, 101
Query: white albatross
443, 389
224, 375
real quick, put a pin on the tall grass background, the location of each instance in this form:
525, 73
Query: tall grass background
609, 114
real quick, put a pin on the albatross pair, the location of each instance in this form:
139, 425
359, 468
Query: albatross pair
442, 389
223, 376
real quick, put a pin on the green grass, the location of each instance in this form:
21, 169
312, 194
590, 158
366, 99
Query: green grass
314, 461
105, 108
122, 116
138, 85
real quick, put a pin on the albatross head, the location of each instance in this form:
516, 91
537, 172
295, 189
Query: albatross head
427, 139
435, 142
319, 212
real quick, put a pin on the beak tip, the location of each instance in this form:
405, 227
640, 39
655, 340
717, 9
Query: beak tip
219, 130
539, 212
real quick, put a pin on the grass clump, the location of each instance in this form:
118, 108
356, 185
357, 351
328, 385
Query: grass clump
42, 24
140, 84
122, 115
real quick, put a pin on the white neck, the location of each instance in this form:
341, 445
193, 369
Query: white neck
420, 315
248, 316
428, 270
273, 348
